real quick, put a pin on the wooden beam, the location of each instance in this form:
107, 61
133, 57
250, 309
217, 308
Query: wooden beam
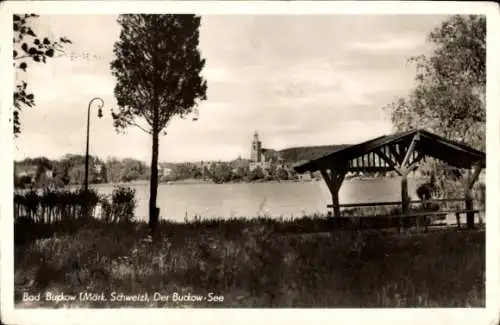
456, 172
327, 179
370, 169
409, 152
401, 149
388, 161
417, 157
338, 178
414, 164
469, 178
366, 204
395, 153
477, 167
330, 185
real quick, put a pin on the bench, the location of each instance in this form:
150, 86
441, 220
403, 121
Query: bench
420, 214
401, 219
458, 213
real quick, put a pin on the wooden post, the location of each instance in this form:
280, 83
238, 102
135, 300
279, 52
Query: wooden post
469, 203
333, 192
337, 178
404, 197
334, 180
336, 204
405, 169
404, 193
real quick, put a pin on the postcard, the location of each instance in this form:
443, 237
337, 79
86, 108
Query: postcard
237, 162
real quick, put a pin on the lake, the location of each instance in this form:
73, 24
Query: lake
287, 199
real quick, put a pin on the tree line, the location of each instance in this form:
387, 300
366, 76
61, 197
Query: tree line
70, 170
233, 171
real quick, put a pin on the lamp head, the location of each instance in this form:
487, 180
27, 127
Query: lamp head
99, 113
196, 114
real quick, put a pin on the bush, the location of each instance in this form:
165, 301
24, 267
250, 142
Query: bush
54, 205
120, 206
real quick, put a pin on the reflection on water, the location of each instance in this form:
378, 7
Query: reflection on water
290, 199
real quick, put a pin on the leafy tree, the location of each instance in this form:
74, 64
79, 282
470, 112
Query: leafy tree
450, 91
256, 174
221, 173
77, 174
206, 174
29, 47
113, 170
71, 170
450, 84
157, 67
272, 172
43, 164
240, 173
61, 169
103, 175
282, 174
132, 170
22, 181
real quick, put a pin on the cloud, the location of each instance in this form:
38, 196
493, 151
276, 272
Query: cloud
387, 44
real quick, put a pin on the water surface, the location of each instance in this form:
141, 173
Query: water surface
287, 199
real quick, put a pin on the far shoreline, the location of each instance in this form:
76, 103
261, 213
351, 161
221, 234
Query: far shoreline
202, 182
192, 181
199, 182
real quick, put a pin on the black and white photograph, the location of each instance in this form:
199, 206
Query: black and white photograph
248, 160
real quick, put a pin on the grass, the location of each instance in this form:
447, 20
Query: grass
252, 263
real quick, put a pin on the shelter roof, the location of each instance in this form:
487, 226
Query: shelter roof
453, 153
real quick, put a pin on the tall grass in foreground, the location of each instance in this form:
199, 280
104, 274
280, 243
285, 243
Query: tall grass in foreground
252, 264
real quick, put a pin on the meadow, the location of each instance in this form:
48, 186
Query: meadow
256, 262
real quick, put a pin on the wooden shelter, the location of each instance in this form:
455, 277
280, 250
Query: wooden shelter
402, 153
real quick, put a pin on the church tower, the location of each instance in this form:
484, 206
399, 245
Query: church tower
256, 148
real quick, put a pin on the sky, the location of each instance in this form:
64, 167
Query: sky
297, 80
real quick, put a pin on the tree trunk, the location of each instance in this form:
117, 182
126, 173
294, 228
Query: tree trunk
153, 185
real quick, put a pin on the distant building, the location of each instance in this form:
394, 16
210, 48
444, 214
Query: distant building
49, 173
26, 171
263, 157
164, 171
256, 153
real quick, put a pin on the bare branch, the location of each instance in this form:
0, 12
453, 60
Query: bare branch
140, 127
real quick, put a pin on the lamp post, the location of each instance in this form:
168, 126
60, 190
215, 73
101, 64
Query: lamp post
99, 114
